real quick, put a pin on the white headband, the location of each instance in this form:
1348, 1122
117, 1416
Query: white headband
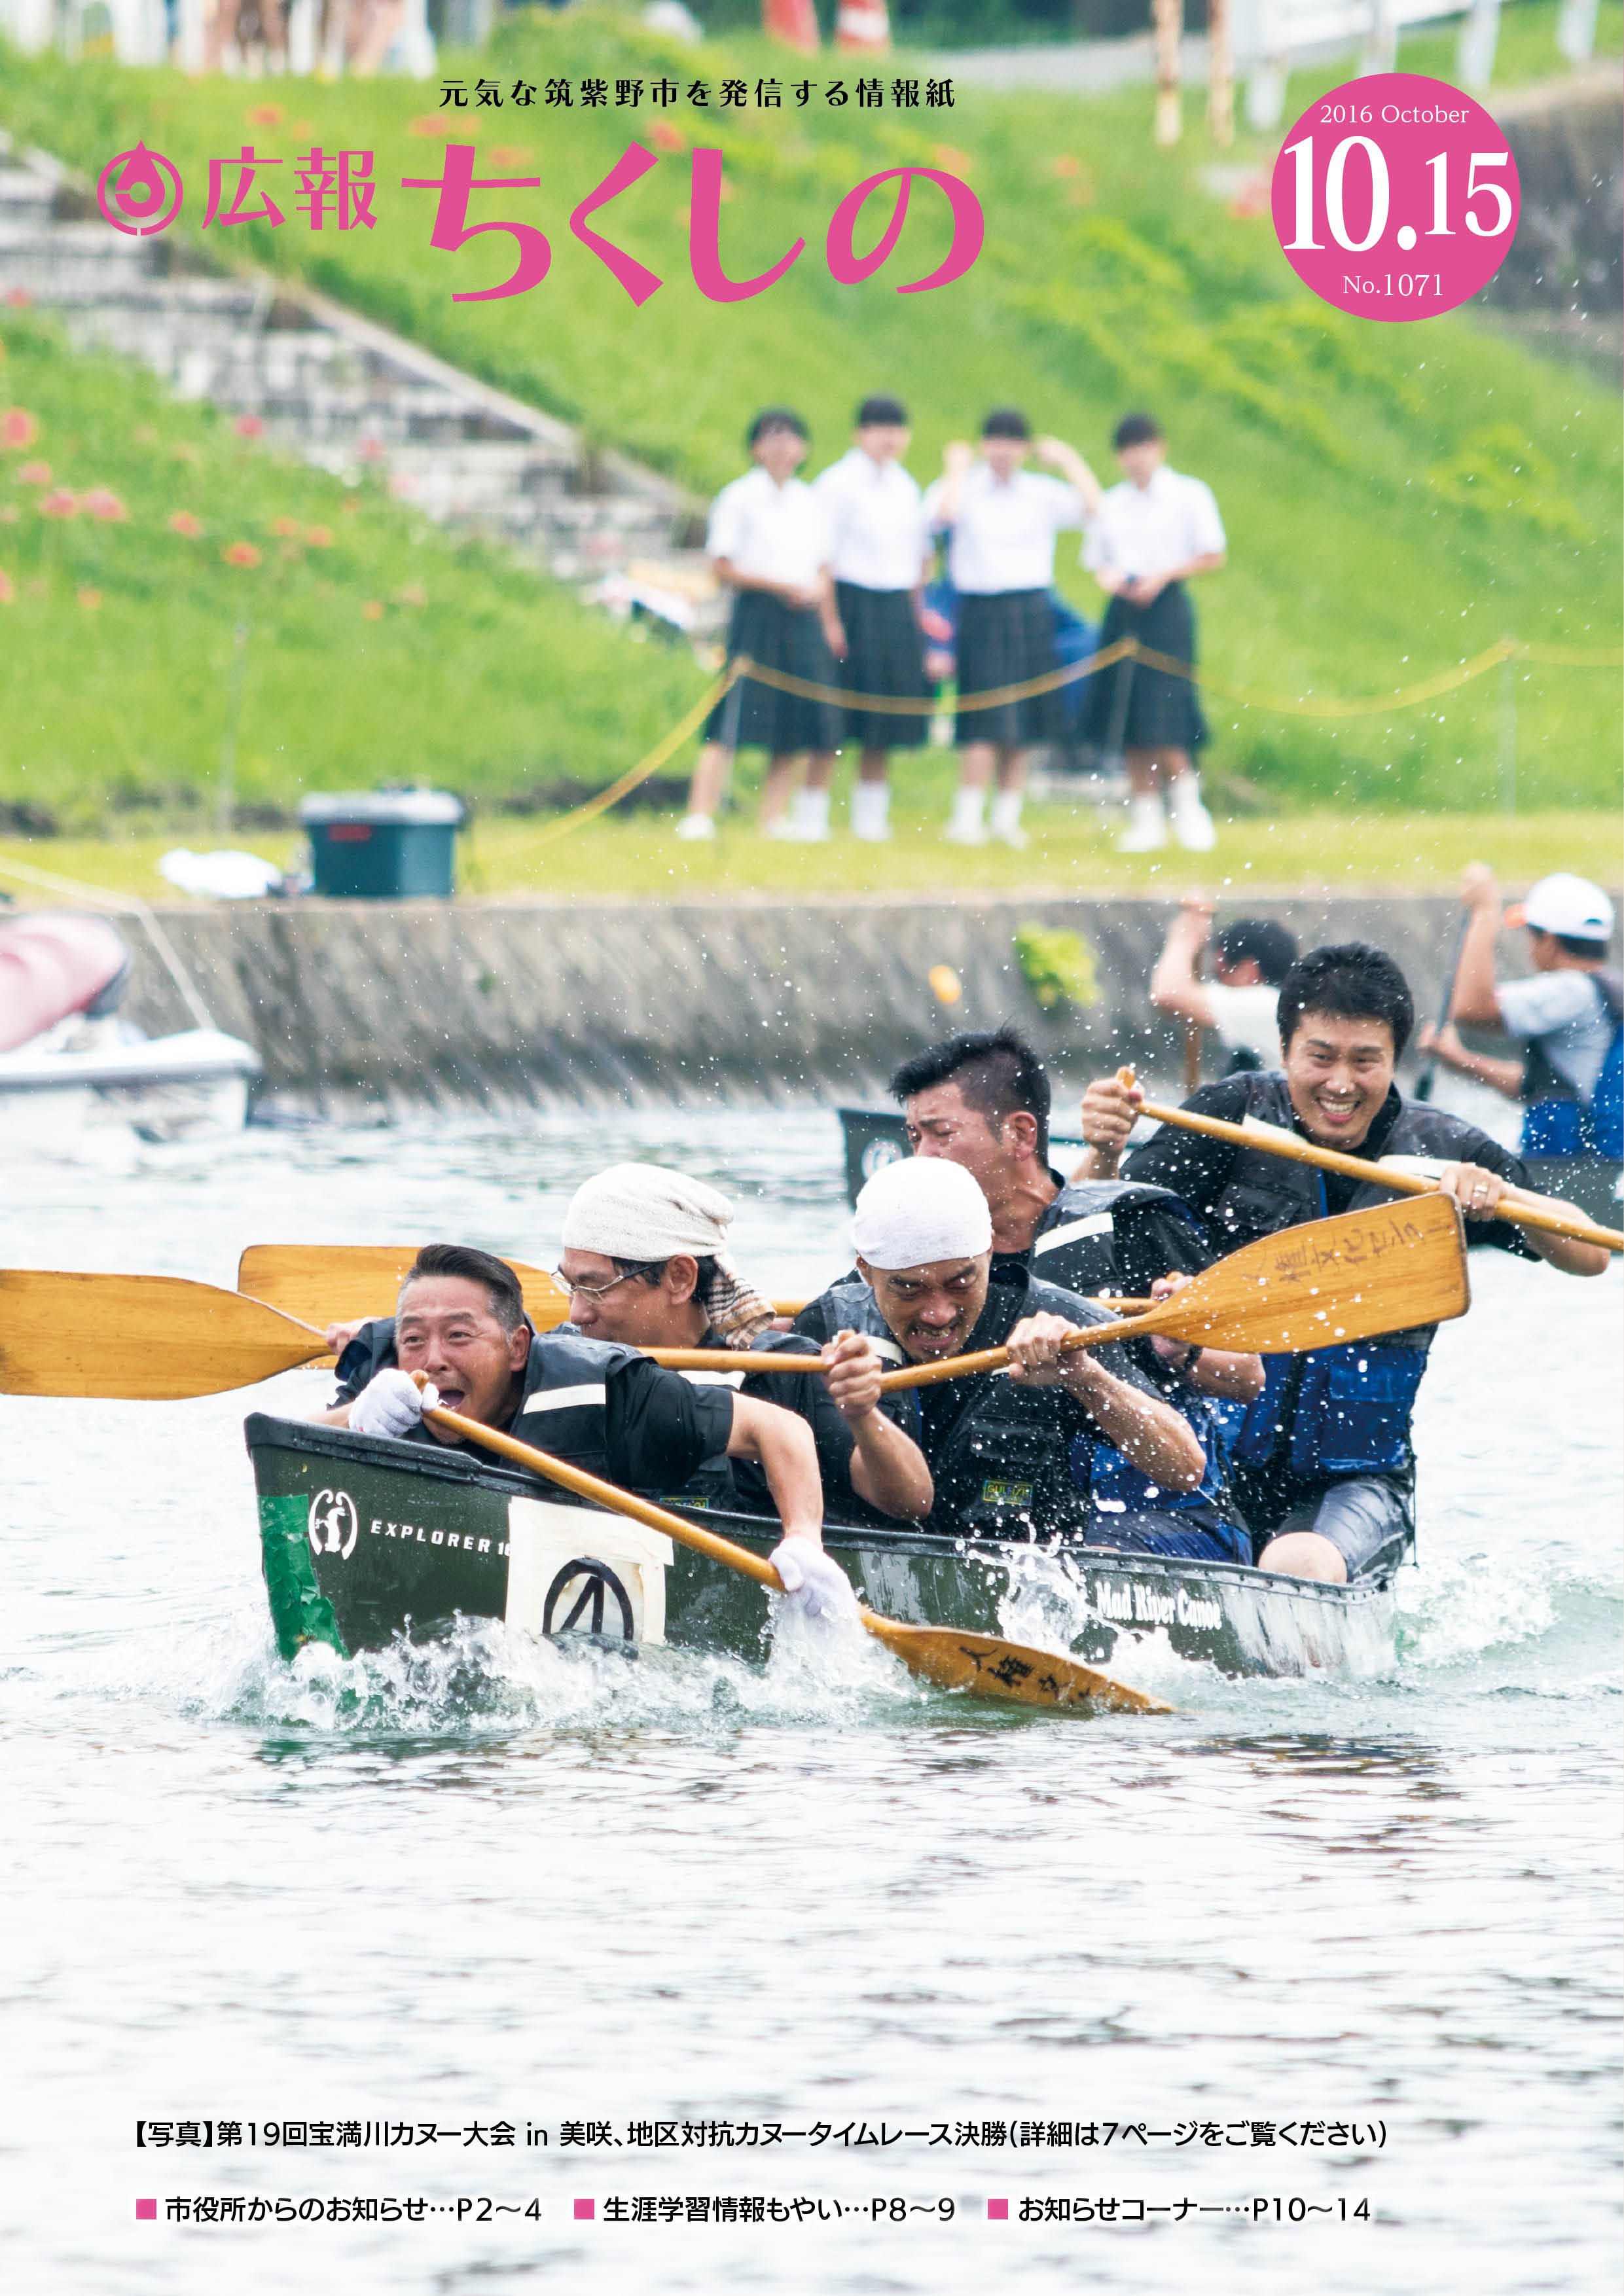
641, 1211
919, 1210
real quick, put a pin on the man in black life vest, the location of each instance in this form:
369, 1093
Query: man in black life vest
460, 1321
645, 1265
1322, 1462
982, 1101
1011, 1456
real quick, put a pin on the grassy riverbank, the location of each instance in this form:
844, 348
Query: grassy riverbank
1397, 498
638, 858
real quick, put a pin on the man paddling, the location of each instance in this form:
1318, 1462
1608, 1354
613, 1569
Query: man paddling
1011, 1457
982, 1101
460, 1321
645, 1264
1322, 1461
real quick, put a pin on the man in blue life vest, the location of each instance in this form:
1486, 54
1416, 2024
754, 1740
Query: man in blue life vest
981, 1100
1011, 1456
460, 1321
1570, 1015
1323, 1464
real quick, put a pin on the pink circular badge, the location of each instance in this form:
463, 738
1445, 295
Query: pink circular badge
1395, 197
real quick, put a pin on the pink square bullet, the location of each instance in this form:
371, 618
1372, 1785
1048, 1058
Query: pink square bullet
145, 2208
998, 2208
586, 2208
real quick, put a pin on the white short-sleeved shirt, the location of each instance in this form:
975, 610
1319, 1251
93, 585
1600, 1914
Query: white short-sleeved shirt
1566, 1013
877, 517
1247, 1017
1140, 531
1003, 535
779, 534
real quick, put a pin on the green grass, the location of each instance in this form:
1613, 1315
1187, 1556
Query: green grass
1397, 498
636, 857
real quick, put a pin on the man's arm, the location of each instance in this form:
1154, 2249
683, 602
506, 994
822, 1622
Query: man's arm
1174, 985
887, 1468
1157, 1439
1477, 1191
1505, 1077
1075, 471
1475, 1000
1109, 1112
781, 1446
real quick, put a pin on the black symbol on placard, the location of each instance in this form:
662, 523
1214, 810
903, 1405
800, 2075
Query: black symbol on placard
600, 1579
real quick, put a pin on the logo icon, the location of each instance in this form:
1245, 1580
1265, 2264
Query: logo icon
139, 192
596, 1580
334, 1525
878, 1154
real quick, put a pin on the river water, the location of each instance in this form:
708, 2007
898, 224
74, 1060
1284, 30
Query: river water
466, 1887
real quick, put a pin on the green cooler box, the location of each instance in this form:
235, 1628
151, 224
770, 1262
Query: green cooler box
382, 845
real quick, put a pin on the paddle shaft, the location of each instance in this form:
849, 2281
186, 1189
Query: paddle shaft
1424, 1082
1275, 1143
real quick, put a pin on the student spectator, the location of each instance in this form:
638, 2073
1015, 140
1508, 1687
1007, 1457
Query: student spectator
1249, 960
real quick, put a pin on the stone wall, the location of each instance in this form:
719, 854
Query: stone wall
384, 1005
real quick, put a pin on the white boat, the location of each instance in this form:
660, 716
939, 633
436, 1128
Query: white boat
89, 1086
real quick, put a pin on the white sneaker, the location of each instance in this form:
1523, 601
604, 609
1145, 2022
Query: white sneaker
965, 832
1147, 827
695, 825
1192, 824
870, 809
1007, 820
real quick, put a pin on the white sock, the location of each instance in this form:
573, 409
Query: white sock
812, 811
967, 806
1005, 812
870, 809
1183, 792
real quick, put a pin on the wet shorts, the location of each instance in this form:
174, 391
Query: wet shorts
1364, 1517
1163, 1531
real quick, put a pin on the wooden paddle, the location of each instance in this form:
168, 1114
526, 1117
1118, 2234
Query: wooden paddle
983, 1663
1315, 1286
324, 1283
148, 1338
1278, 1142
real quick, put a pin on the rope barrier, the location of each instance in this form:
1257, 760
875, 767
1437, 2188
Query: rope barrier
119, 904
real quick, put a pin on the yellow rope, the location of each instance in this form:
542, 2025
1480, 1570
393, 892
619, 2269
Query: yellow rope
657, 757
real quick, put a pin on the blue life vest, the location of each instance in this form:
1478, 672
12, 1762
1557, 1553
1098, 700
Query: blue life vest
1557, 1121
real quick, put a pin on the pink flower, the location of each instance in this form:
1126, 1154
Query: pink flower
183, 523
35, 474
101, 502
90, 600
666, 136
249, 426
240, 553
371, 450
59, 503
19, 297
263, 115
373, 610
285, 526
17, 428
319, 537
7, 593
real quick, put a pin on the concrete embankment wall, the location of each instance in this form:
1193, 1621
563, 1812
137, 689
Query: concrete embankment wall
385, 1005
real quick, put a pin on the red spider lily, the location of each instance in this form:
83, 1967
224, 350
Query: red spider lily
19, 297
373, 610
35, 474
666, 136
17, 428
90, 600
371, 450
285, 526
101, 502
59, 503
186, 525
240, 553
414, 594
249, 426
319, 537
8, 595
263, 115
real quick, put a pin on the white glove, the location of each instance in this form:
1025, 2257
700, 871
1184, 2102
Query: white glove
814, 1584
392, 1405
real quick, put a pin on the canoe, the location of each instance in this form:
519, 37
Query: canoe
876, 1136
364, 1540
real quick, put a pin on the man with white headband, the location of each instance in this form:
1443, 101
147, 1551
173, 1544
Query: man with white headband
1011, 1456
645, 1264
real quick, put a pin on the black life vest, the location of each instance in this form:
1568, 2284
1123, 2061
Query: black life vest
1075, 1243
563, 1408
1338, 1411
717, 1482
1016, 1463
1558, 1120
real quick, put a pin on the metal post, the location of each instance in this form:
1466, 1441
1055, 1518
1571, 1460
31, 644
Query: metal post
226, 803
1508, 734
1220, 74
1169, 17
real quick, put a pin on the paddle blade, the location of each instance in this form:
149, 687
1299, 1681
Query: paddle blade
324, 1283
992, 1668
1334, 1280
146, 1338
